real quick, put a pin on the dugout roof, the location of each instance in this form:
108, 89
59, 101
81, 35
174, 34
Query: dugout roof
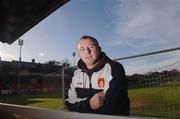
19, 16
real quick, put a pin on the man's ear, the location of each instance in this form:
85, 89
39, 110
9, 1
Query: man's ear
100, 49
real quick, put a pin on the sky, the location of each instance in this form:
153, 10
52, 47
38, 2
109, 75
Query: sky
122, 27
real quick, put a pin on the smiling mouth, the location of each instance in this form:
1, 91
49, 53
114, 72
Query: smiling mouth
88, 57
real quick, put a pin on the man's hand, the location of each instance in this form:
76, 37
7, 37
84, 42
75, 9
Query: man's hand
97, 100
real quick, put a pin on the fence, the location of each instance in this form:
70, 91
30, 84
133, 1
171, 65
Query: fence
154, 83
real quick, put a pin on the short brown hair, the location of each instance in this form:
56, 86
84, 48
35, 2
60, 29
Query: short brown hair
90, 37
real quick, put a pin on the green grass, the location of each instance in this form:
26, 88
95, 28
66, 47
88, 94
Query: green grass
46, 100
156, 101
51, 103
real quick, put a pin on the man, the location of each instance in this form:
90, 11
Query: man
99, 84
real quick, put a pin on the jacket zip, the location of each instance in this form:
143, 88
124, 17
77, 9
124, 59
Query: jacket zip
90, 85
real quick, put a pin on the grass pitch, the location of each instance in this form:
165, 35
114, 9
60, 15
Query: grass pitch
156, 101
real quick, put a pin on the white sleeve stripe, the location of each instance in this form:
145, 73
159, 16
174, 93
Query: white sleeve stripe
74, 100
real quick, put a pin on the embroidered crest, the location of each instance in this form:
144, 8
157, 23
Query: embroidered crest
101, 83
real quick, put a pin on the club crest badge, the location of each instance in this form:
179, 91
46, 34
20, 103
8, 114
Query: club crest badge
101, 83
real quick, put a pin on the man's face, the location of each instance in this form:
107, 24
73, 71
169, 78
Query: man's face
88, 51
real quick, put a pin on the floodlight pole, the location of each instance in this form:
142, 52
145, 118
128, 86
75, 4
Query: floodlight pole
20, 43
74, 54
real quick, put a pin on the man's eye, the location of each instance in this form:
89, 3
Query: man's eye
91, 46
82, 49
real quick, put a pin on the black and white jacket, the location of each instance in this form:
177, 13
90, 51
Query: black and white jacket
108, 76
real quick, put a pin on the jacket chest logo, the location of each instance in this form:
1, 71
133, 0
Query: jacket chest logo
101, 83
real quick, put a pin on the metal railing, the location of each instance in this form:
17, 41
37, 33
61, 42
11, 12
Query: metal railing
26, 112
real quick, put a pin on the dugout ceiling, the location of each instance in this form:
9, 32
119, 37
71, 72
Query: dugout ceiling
19, 16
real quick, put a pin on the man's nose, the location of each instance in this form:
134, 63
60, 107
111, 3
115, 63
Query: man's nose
87, 50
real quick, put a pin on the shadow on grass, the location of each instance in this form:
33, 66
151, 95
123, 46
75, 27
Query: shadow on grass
29, 101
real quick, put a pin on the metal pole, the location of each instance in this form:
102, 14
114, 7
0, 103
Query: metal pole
20, 43
74, 54
149, 53
63, 83
63, 97
19, 68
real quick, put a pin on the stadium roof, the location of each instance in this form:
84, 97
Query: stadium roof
19, 16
